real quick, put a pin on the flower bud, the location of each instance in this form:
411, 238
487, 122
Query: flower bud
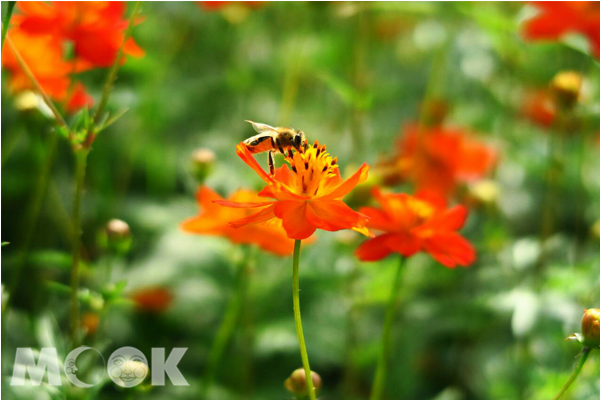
296, 383
202, 163
116, 236
566, 86
590, 328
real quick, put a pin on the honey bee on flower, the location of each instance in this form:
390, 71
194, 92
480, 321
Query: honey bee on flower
272, 140
307, 195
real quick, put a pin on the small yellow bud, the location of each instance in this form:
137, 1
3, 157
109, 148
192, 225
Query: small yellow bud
296, 383
202, 163
566, 86
590, 328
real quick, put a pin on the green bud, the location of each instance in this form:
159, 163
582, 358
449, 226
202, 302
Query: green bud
202, 164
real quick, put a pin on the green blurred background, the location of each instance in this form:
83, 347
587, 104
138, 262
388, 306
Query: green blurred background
349, 75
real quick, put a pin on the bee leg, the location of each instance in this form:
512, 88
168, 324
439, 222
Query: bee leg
271, 163
279, 146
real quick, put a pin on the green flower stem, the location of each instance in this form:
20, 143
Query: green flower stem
552, 173
9, 10
34, 212
298, 320
390, 314
80, 167
232, 314
584, 355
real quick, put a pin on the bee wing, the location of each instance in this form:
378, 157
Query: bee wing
262, 128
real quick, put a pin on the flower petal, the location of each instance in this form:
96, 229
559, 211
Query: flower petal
403, 243
235, 204
243, 152
331, 215
450, 249
346, 186
261, 216
293, 216
374, 249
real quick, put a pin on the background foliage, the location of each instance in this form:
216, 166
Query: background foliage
349, 75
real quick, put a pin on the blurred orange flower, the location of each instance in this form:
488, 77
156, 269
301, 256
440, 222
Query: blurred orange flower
307, 197
153, 299
43, 55
540, 107
416, 223
96, 28
557, 18
437, 158
213, 220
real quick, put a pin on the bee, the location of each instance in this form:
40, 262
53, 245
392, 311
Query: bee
274, 140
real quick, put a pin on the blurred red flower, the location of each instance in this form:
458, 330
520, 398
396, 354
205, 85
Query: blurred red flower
411, 224
43, 54
152, 299
96, 28
437, 158
307, 197
213, 220
540, 107
557, 18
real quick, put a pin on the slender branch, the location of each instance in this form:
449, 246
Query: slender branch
584, 355
59, 119
80, 168
9, 10
390, 314
112, 74
296, 299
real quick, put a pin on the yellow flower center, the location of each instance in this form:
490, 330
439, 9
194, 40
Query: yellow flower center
313, 169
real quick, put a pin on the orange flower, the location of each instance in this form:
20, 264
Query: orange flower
213, 220
416, 223
437, 158
96, 28
43, 55
153, 299
556, 19
540, 107
307, 197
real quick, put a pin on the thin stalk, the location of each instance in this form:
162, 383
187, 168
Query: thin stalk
80, 167
298, 320
9, 10
112, 74
551, 178
585, 353
34, 212
386, 337
232, 314
59, 119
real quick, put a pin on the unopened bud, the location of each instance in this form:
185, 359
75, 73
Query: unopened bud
116, 236
296, 383
590, 328
202, 163
566, 86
